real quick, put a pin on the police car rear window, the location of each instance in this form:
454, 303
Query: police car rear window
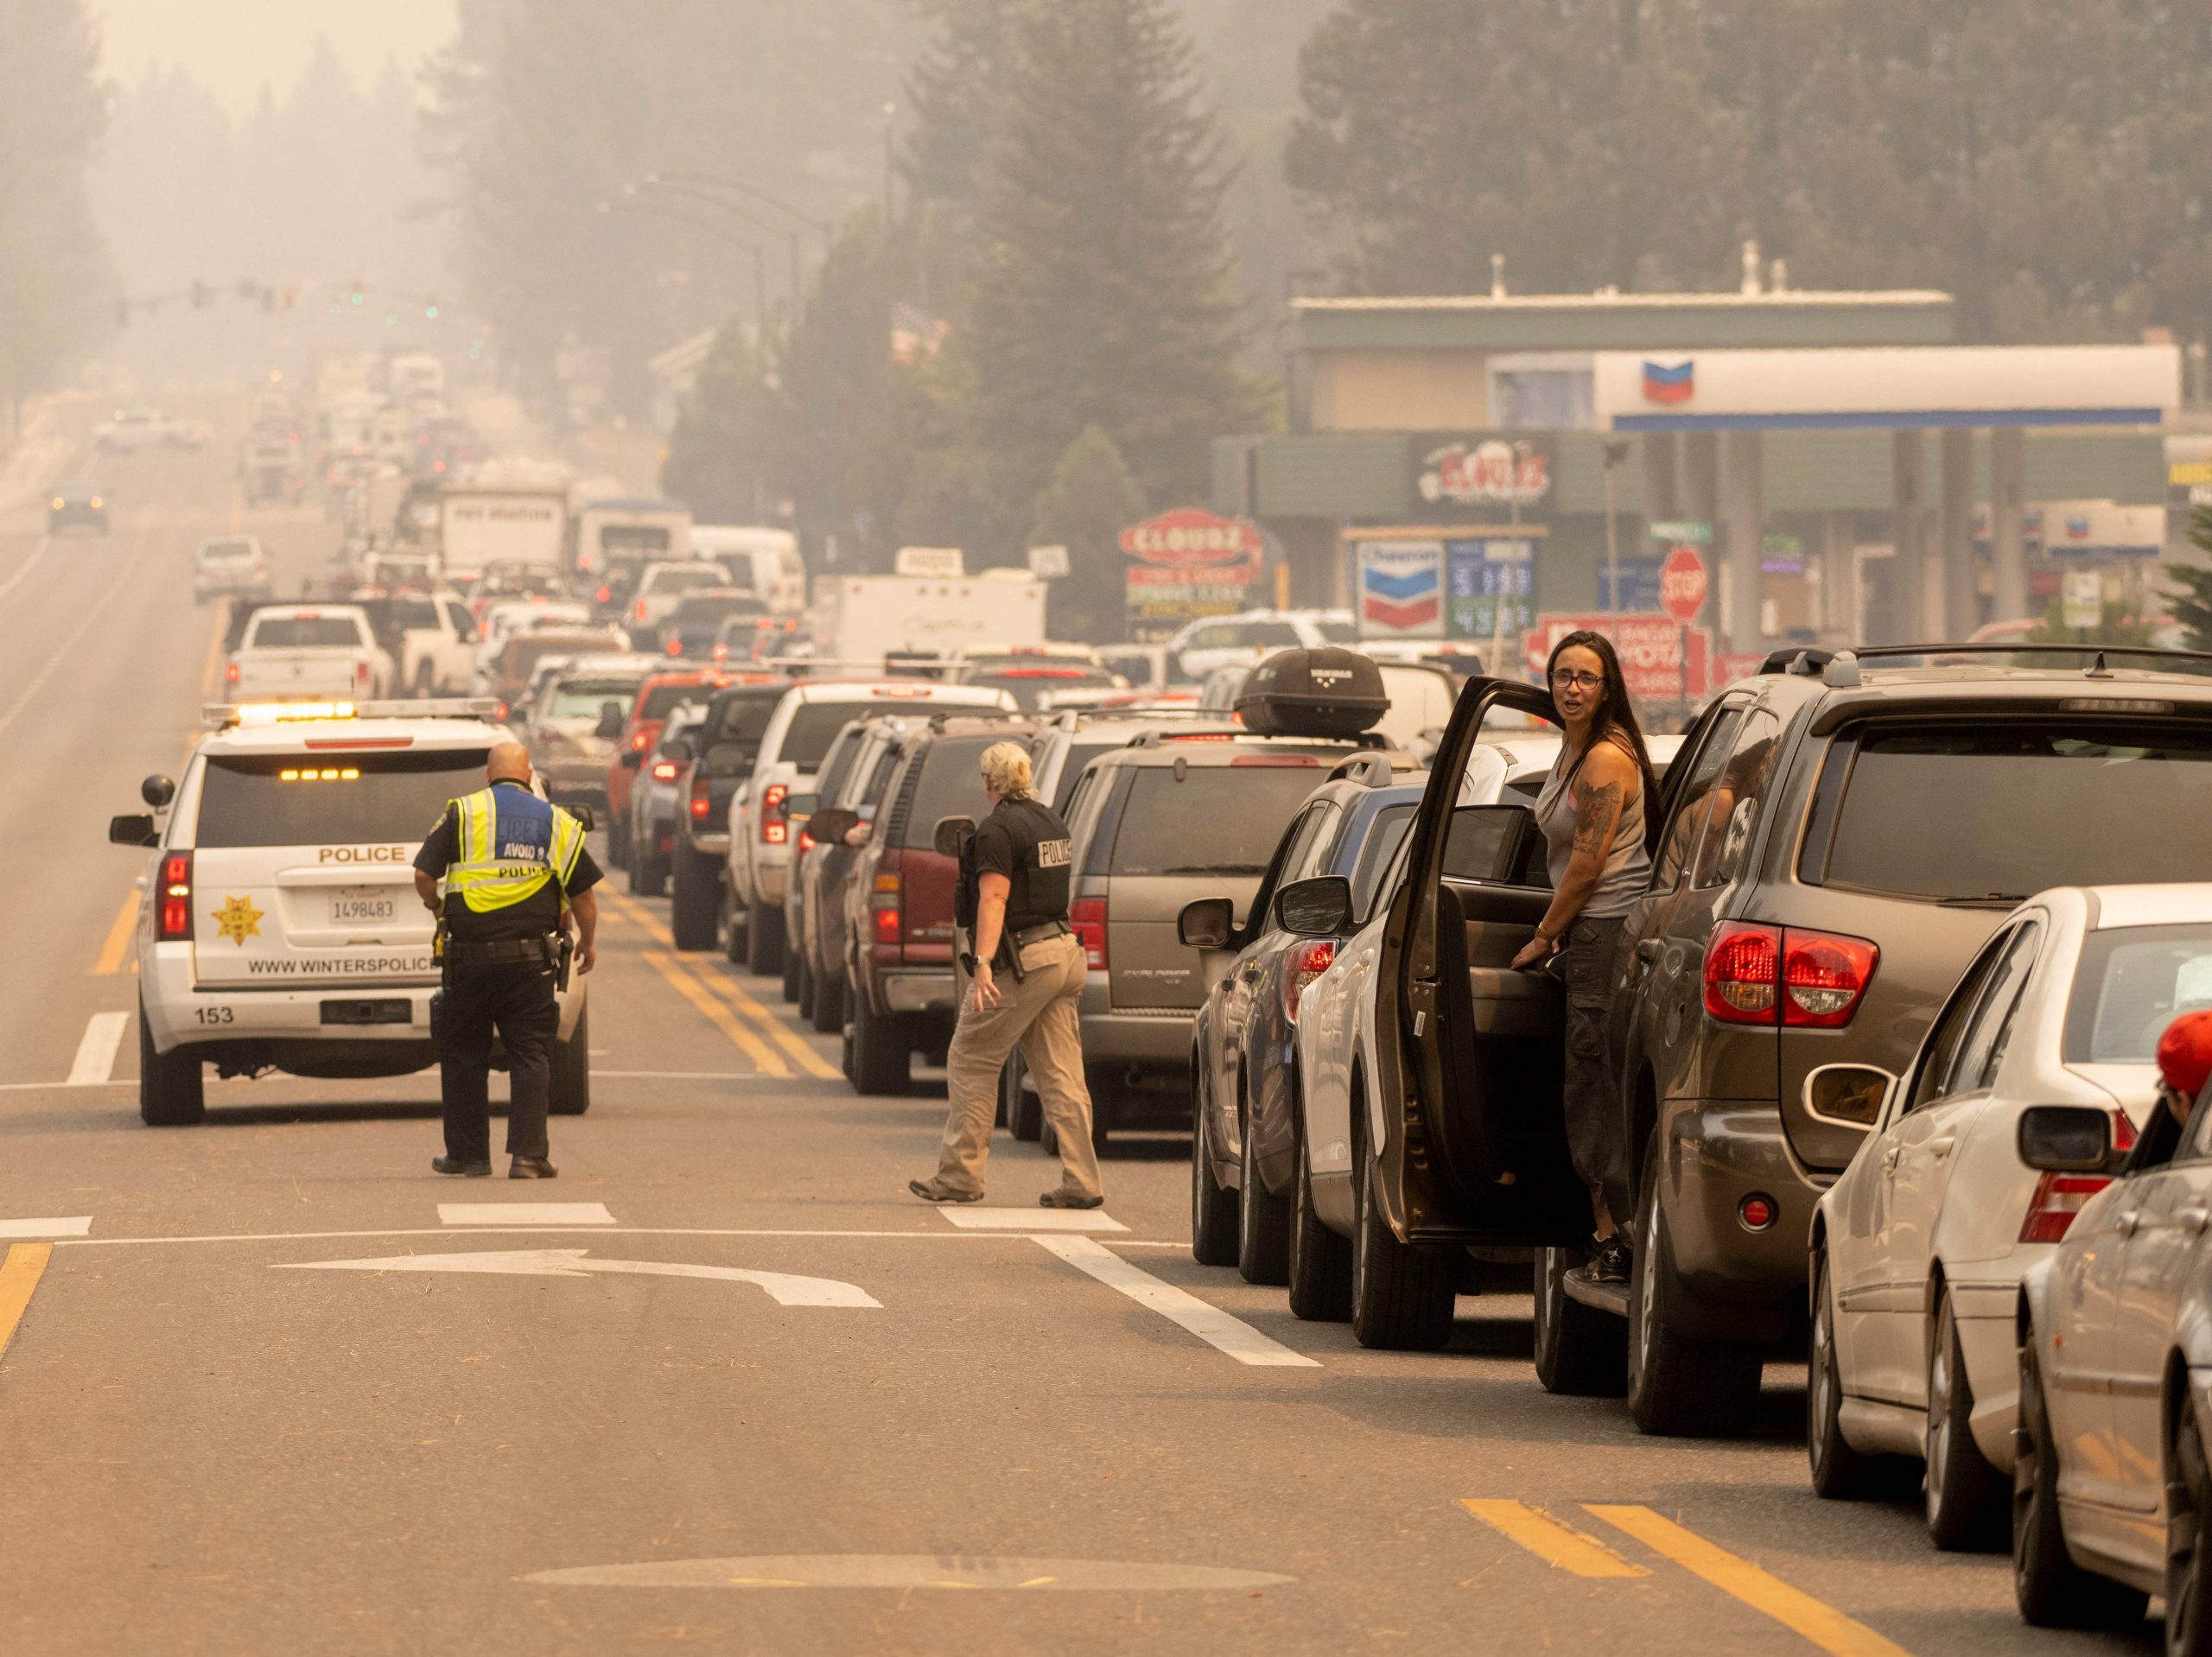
1218, 820
331, 798
304, 633
951, 785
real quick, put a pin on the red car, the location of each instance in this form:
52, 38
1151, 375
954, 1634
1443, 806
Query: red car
658, 697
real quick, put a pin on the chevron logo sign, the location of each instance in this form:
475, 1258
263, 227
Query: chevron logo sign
1401, 587
1669, 384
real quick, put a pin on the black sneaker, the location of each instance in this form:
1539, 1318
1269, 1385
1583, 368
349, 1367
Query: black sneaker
1609, 1261
454, 1166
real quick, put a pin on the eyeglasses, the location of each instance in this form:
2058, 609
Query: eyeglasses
1568, 680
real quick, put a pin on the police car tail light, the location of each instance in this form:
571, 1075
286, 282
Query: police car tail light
883, 905
1743, 966
1310, 963
1087, 918
1824, 975
775, 821
172, 921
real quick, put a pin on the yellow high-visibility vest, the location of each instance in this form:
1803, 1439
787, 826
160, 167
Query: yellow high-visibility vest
497, 870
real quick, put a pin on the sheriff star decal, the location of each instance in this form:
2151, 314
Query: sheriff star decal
238, 920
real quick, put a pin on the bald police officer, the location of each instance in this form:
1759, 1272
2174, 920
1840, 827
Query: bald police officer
1024, 976
513, 866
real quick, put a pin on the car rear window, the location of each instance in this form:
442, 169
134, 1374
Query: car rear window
663, 700
332, 798
585, 698
2132, 982
1215, 820
709, 609
304, 633
951, 785
662, 582
2000, 810
634, 537
814, 726
745, 718
1079, 755
224, 552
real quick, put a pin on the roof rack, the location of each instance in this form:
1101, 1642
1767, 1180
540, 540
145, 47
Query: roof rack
1156, 739
225, 715
1810, 663
1369, 769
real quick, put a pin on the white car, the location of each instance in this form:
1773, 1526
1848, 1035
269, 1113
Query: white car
797, 734
281, 928
132, 429
1919, 1247
661, 587
308, 650
764, 563
507, 617
569, 732
230, 566
1243, 639
436, 642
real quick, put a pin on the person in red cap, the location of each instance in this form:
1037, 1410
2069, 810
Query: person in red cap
2184, 1066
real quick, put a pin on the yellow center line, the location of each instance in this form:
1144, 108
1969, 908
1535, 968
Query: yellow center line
1556, 1545
1823, 1625
729, 988
763, 1056
19, 1275
118, 937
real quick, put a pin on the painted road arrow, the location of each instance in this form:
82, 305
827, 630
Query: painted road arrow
784, 1288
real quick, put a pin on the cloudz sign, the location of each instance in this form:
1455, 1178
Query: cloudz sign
1489, 476
1189, 537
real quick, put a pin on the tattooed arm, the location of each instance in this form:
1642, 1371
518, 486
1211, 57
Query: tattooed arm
1600, 795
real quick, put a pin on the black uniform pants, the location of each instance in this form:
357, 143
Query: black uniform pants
518, 998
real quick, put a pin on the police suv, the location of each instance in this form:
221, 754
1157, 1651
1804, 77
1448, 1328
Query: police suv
281, 929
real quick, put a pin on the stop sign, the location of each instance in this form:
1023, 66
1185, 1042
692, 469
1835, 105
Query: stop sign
1682, 583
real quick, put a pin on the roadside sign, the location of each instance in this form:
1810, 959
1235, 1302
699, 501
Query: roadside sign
1639, 586
1682, 583
929, 563
1185, 564
1401, 589
2082, 599
1651, 649
1480, 576
1689, 530
1048, 563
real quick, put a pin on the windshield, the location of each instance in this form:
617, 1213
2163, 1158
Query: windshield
1340, 632
1244, 808
634, 537
586, 699
662, 582
332, 799
707, 610
304, 633
2132, 982
2025, 805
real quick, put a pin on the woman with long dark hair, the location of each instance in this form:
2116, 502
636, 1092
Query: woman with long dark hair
1595, 810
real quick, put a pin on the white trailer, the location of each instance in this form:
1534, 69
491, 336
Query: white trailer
866, 618
483, 525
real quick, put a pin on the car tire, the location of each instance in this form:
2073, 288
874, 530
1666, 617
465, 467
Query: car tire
2052, 1591
2189, 1563
1581, 1352
1262, 1220
1402, 1295
172, 1089
1213, 1210
1024, 1110
696, 904
791, 962
1320, 1260
829, 1001
883, 1056
806, 984
569, 1092
1678, 1386
1969, 1503
1840, 1472
618, 843
764, 941
648, 874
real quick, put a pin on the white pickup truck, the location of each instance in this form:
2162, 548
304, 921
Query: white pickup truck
293, 651
432, 638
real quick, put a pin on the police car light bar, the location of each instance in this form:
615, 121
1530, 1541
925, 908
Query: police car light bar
220, 716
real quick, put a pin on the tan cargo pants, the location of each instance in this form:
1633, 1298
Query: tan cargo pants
1038, 1014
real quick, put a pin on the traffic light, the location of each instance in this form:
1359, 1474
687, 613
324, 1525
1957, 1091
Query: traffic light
359, 296
430, 306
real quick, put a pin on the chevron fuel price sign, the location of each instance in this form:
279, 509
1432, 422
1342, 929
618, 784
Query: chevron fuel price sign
1401, 589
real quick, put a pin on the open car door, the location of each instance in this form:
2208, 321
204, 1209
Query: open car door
1472, 1147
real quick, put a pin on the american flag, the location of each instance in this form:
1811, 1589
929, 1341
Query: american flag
916, 336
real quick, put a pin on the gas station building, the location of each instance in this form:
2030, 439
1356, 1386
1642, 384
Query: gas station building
1849, 472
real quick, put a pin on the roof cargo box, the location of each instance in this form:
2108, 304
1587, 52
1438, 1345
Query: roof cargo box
1322, 692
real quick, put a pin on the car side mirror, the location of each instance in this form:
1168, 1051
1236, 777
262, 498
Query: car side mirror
134, 828
157, 791
1320, 907
1847, 1095
2065, 1139
1207, 922
676, 748
610, 720
583, 813
832, 824
950, 836
631, 759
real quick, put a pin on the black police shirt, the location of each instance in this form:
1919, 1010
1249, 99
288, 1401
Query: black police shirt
1028, 843
534, 917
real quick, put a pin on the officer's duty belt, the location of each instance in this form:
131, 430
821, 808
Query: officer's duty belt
495, 952
1040, 933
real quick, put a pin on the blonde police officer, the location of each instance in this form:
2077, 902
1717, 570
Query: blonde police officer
512, 864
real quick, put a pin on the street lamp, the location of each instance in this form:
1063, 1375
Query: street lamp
692, 189
649, 209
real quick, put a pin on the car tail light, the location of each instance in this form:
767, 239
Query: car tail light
361, 671
806, 842
775, 825
640, 612
883, 906
1741, 966
605, 595
173, 921
676, 646
2058, 1199
1274, 759
722, 650
1311, 961
702, 799
664, 770
641, 740
1087, 918
231, 674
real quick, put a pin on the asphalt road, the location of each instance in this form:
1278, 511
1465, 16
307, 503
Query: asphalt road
752, 1397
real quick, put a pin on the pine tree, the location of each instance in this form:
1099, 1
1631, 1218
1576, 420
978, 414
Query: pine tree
1105, 295
719, 452
1091, 498
2190, 599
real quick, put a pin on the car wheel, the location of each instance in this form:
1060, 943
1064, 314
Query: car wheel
1024, 1110
1320, 1260
1678, 1386
1401, 1296
648, 876
829, 1001
1968, 1505
618, 843
171, 1090
2053, 1592
791, 962
883, 1057
1262, 1220
733, 928
1213, 1211
806, 997
2189, 1572
764, 941
1581, 1352
1840, 1472
695, 905
569, 1093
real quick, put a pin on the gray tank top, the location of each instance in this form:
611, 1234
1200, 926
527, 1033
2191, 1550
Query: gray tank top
1628, 865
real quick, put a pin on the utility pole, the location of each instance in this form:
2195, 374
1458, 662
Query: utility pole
1613, 454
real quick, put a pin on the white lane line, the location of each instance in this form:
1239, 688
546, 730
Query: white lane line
524, 1214
596, 1230
76, 1228
784, 1288
1009, 1219
906, 1572
1210, 1324
38, 551
102, 1040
